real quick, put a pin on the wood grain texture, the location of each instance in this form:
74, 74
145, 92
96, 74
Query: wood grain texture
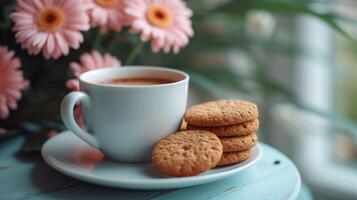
273, 177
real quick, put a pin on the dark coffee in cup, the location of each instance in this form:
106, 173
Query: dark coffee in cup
138, 81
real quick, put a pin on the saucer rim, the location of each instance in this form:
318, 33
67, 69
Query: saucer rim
148, 184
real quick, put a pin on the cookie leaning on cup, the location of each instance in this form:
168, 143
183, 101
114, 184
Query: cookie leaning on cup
187, 153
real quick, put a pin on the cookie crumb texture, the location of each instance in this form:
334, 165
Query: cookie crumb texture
187, 153
221, 113
240, 143
234, 157
229, 130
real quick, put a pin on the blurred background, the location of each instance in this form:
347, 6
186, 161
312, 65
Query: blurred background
295, 58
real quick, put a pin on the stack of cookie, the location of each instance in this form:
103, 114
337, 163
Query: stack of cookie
233, 121
213, 134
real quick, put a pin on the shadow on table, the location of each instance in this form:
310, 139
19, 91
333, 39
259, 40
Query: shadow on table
55, 185
47, 179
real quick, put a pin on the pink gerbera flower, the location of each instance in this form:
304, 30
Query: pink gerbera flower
90, 62
106, 14
165, 22
50, 26
11, 81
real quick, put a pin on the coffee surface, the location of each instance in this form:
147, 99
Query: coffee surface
138, 81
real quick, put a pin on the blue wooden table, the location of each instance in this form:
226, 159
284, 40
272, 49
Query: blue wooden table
29, 177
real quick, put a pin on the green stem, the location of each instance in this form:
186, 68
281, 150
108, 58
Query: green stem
96, 39
111, 42
134, 52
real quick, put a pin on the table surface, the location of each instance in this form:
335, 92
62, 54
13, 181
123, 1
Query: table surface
22, 177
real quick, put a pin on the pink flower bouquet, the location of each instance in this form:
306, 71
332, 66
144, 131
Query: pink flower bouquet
57, 40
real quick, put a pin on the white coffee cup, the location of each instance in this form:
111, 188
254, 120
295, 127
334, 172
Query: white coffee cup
126, 121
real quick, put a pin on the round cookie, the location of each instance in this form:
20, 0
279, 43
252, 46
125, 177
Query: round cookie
230, 130
221, 113
234, 157
239, 143
187, 153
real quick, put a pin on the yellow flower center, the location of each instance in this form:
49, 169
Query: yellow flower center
159, 15
106, 3
50, 19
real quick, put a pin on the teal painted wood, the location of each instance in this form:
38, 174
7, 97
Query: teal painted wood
305, 193
31, 178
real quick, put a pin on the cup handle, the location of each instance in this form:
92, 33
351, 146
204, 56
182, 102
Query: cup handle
67, 107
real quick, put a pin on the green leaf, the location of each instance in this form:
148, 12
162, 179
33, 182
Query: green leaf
279, 6
208, 85
332, 118
343, 19
7, 8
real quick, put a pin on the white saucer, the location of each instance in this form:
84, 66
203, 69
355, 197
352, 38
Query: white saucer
71, 156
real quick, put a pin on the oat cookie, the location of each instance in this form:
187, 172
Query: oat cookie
234, 157
187, 153
238, 143
221, 113
230, 130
